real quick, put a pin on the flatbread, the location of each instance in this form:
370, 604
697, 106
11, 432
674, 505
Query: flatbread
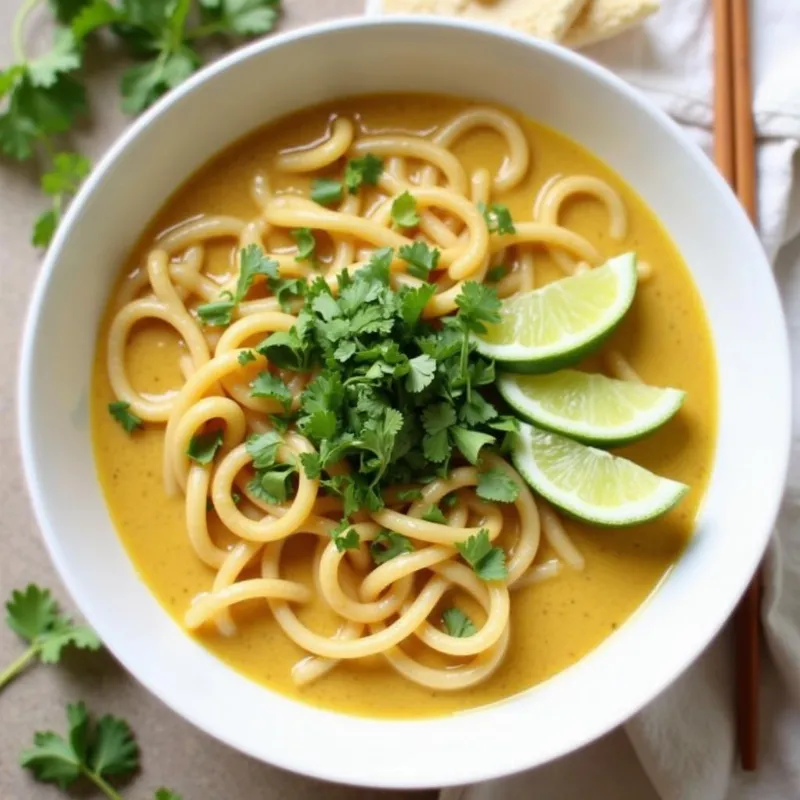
545, 19
601, 19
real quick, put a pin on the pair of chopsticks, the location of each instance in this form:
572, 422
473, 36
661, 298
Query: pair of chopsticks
734, 152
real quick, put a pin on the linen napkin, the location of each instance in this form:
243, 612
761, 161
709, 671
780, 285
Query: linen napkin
685, 740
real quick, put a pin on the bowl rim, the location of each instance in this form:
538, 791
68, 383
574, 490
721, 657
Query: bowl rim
463, 772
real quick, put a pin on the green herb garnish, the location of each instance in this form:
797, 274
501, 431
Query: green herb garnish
121, 412
420, 258
34, 615
498, 218
388, 545
326, 191
488, 562
362, 170
495, 484
203, 447
457, 623
404, 211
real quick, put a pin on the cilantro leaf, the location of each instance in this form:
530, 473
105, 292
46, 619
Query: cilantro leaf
66, 10
306, 244
167, 794
421, 371
285, 349
66, 174
470, 442
272, 484
96, 751
253, 261
345, 537
44, 228
438, 417
496, 273
245, 357
388, 545
120, 411
477, 410
498, 218
478, 305
268, 385
62, 57
496, 484
413, 302
457, 623
326, 191
489, 563
242, 17
434, 514
421, 259
34, 616
362, 170
93, 15
203, 447
263, 449
409, 495
404, 211
216, 314
436, 447
143, 84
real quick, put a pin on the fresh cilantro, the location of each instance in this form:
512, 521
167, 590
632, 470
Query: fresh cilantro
457, 623
434, 514
253, 261
245, 357
362, 170
268, 385
345, 537
273, 485
404, 211
388, 545
60, 184
421, 259
470, 442
326, 191
97, 751
421, 371
120, 410
478, 305
239, 17
306, 244
203, 447
409, 495
286, 290
413, 302
167, 794
495, 484
217, 314
448, 501
263, 449
488, 562
33, 615
46, 97
496, 273
498, 218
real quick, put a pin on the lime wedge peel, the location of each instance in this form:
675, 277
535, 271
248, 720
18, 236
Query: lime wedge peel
591, 484
557, 325
591, 408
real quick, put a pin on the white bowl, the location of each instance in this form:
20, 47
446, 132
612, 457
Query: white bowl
290, 71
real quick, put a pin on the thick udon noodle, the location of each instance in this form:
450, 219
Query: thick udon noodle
379, 607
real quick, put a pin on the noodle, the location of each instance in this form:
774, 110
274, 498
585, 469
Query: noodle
380, 608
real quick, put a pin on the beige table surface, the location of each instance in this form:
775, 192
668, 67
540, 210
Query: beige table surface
174, 753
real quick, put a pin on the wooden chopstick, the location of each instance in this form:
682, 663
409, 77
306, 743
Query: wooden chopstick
734, 152
747, 621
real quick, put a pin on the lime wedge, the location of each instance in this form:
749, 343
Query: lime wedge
555, 326
591, 484
589, 407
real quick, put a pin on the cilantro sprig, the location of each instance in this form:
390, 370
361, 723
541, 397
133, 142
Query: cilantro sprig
44, 95
33, 615
98, 751
488, 562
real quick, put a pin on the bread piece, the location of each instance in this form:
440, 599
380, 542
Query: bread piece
546, 19
601, 19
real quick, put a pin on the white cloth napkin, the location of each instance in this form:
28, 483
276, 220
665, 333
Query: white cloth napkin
685, 740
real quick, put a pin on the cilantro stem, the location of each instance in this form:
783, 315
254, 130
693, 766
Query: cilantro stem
17, 39
18, 665
101, 784
201, 31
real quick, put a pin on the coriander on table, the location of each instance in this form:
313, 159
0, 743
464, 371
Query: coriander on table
45, 97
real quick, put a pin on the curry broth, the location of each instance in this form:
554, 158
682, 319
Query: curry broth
553, 624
